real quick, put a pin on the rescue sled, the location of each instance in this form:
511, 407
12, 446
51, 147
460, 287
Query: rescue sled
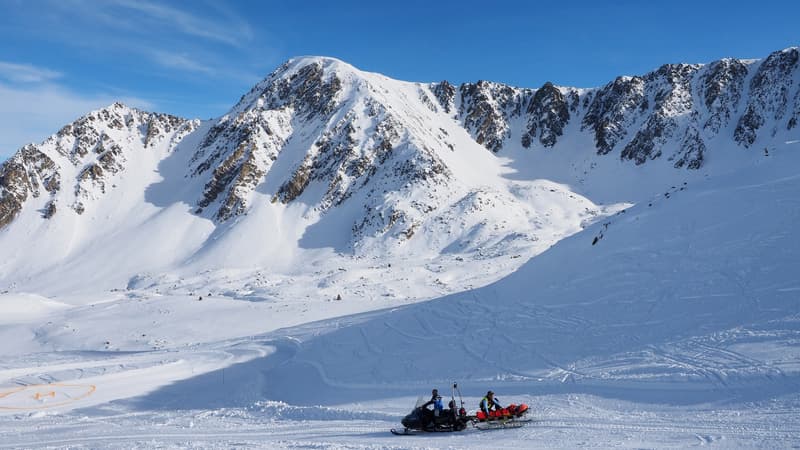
513, 416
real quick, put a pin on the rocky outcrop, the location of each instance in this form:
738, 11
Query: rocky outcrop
242, 152
446, 95
29, 173
671, 92
305, 86
159, 126
548, 114
770, 91
382, 162
612, 111
486, 109
692, 150
795, 119
722, 85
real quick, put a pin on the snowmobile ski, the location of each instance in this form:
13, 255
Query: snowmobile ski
405, 432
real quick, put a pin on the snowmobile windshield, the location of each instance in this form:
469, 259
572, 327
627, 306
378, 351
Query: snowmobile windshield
420, 401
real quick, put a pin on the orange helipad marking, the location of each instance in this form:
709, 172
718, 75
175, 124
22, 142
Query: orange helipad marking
39, 395
44, 396
13, 391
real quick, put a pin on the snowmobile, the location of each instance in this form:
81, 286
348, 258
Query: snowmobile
445, 420
422, 420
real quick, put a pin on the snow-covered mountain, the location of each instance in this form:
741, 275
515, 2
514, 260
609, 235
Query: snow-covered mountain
322, 155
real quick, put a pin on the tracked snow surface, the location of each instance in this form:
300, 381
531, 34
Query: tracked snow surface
295, 273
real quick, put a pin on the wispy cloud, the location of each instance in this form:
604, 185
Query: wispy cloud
26, 73
233, 31
206, 65
198, 37
148, 18
179, 61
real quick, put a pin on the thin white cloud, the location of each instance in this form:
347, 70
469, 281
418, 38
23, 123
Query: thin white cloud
179, 61
187, 23
26, 73
187, 63
30, 114
170, 35
147, 18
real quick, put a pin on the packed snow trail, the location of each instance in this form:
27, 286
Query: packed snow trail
565, 421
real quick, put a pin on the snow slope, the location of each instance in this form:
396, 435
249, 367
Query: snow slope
677, 327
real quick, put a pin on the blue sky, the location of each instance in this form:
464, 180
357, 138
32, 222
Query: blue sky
61, 59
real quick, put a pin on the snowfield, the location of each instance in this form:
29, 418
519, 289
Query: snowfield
678, 327
633, 306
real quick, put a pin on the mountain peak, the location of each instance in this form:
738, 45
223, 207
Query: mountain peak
297, 78
116, 109
328, 64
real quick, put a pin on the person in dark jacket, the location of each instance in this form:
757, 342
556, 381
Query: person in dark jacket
436, 402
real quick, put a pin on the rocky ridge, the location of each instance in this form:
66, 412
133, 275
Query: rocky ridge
329, 125
80, 162
674, 112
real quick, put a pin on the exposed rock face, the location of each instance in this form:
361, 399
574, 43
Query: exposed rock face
548, 114
692, 150
770, 91
486, 109
722, 85
612, 111
26, 174
672, 99
242, 149
793, 121
446, 94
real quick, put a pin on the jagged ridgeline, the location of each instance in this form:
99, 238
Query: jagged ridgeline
321, 131
81, 160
